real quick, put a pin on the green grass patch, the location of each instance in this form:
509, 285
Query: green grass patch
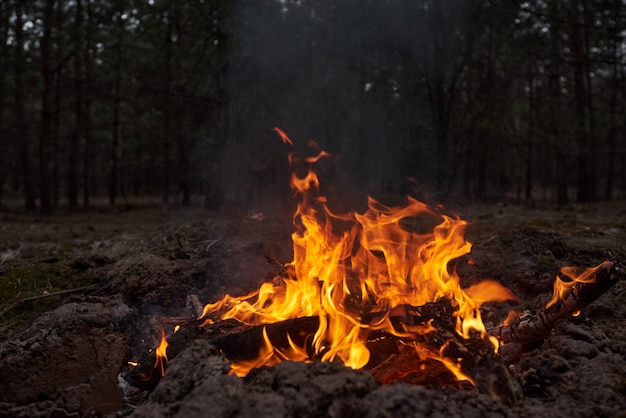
24, 279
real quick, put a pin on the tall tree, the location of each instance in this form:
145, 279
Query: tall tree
117, 106
76, 139
55, 146
555, 105
21, 135
87, 96
616, 56
47, 108
585, 174
167, 108
178, 113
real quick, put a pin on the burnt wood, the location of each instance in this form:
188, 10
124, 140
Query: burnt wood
534, 327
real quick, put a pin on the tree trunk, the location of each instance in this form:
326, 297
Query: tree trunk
554, 86
167, 112
213, 187
590, 128
47, 106
21, 134
183, 152
86, 174
584, 183
76, 138
528, 184
117, 102
615, 88
58, 88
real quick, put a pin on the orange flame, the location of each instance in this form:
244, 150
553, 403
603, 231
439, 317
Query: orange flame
269, 356
161, 354
576, 275
381, 258
283, 136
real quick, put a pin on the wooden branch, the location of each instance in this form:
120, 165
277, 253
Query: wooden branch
236, 341
20, 302
534, 327
59, 293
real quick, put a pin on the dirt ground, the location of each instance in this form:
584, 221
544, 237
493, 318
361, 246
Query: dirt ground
82, 294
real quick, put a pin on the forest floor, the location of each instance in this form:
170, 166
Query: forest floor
118, 273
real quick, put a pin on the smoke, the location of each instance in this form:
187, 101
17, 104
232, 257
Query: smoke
350, 76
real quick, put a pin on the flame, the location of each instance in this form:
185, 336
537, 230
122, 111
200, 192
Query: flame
283, 136
575, 275
161, 354
269, 356
382, 258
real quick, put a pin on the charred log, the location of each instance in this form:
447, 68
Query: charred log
474, 358
534, 327
236, 341
392, 359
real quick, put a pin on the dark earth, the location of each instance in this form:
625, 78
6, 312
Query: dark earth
82, 294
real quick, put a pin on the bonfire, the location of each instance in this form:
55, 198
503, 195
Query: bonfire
379, 290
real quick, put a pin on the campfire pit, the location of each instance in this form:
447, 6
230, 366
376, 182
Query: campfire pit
378, 293
65, 363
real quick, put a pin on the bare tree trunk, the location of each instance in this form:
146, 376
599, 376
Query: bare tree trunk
167, 112
615, 88
590, 128
22, 137
213, 187
554, 86
117, 102
47, 105
87, 110
56, 136
76, 138
584, 179
183, 152
528, 189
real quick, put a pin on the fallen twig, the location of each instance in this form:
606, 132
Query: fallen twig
59, 293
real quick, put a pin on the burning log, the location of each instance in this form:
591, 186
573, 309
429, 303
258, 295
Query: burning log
393, 357
580, 294
237, 342
474, 357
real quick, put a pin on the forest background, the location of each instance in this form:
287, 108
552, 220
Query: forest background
498, 100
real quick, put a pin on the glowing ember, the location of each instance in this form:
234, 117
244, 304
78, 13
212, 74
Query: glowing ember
349, 264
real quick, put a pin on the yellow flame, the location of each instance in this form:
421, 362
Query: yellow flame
576, 275
161, 354
269, 356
